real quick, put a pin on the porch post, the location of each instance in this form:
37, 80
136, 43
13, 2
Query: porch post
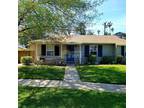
115, 51
36, 52
61, 51
80, 53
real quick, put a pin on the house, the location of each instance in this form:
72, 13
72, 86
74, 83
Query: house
22, 51
76, 49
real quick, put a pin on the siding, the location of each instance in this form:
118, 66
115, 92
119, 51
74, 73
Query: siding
108, 50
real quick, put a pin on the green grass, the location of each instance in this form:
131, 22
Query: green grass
30, 97
41, 72
113, 74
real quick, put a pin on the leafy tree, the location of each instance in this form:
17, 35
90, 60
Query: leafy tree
108, 25
81, 29
38, 17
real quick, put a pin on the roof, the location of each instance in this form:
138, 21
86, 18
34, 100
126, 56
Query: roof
88, 39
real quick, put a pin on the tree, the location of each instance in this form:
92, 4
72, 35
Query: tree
90, 33
112, 30
37, 17
98, 31
105, 26
81, 29
109, 24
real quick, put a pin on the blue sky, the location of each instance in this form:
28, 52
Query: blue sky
114, 11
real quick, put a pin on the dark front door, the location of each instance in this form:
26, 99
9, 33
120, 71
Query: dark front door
70, 53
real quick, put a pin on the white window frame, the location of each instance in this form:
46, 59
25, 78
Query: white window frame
52, 50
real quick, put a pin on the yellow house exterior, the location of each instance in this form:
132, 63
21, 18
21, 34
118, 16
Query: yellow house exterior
77, 48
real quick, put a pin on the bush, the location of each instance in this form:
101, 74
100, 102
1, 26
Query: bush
120, 60
92, 59
124, 60
26, 60
107, 60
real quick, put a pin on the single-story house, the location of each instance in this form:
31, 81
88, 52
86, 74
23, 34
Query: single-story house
77, 48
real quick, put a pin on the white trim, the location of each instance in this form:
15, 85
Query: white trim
80, 53
61, 51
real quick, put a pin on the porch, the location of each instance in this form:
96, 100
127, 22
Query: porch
73, 53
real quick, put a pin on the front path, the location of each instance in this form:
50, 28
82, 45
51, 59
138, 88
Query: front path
72, 80
71, 74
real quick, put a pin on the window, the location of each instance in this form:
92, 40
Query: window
57, 50
86, 50
50, 50
43, 50
93, 49
100, 53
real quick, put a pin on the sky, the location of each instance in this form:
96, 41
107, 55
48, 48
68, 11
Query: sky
114, 11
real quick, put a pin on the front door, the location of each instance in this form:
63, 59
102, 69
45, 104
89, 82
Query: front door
70, 53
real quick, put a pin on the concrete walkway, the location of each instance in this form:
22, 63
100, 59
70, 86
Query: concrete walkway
71, 74
73, 85
72, 80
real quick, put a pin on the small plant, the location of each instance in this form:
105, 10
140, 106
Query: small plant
107, 60
119, 59
92, 59
26, 60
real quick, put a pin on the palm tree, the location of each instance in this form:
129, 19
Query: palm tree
109, 24
98, 31
105, 26
112, 30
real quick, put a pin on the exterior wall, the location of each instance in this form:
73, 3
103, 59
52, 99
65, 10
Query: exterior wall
118, 51
108, 50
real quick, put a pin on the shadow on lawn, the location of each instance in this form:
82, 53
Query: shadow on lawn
102, 74
65, 98
41, 72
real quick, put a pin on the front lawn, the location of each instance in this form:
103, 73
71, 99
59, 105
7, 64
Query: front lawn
32, 97
113, 74
41, 72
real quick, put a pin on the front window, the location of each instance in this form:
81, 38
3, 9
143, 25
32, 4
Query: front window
50, 50
93, 49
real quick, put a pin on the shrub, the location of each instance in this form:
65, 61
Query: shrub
26, 60
124, 60
107, 60
92, 59
120, 60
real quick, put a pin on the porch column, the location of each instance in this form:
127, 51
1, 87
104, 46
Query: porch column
61, 51
80, 53
36, 52
115, 51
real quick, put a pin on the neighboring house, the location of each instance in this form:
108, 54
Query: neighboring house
78, 48
121, 35
22, 51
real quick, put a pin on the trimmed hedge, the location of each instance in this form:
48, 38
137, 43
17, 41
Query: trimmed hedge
120, 60
107, 60
26, 60
92, 59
